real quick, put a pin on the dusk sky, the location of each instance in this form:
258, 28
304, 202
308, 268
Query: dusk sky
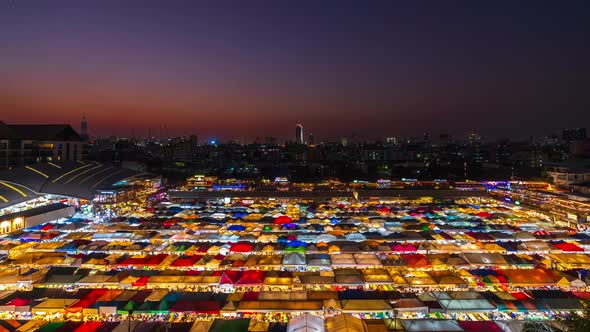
247, 69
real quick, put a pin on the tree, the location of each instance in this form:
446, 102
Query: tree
576, 322
535, 326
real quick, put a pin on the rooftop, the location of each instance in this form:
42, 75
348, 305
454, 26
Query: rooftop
35, 211
40, 132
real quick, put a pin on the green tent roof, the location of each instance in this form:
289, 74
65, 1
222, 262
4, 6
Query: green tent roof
51, 326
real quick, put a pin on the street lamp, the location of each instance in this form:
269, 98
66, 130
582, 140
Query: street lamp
129, 313
395, 313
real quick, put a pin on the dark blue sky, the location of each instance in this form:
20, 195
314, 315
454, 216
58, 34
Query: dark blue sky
246, 69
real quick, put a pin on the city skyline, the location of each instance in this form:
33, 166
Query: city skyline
274, 166
227, 71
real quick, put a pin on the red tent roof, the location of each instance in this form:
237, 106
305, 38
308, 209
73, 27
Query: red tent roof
186, 261
478, 326
281, 220
502, 279
415, 260
200, 307
251, 278
141, 282
88, 327
485, 214
251, 296
229, 277
566, 246
19, 302
404, 248
147, 260
155, 260
46, 227
242, 247
520, 296
582, 295
238, 263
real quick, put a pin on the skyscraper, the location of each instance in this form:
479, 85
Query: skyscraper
310, 139
299, 134
474, 138
84, 128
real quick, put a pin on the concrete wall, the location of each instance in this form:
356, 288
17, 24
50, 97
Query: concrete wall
49, 216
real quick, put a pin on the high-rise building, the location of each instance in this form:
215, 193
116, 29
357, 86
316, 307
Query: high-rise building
391, 140
310, 139
474, 138
573, 134
445, 139
299, 134
194, 140
84, 128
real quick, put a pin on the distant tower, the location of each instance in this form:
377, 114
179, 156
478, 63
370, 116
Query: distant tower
194, 140
474, 138
299, 134
310, 139
84, 128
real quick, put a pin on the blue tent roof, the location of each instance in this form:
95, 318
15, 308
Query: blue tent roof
296, 244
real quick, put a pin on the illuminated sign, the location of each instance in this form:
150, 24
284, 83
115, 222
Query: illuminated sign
572, 216
382, 183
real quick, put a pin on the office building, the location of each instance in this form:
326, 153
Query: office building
28, 144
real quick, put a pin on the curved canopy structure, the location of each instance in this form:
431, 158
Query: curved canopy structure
67, 178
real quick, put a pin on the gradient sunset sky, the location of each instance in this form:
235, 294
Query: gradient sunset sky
246, 69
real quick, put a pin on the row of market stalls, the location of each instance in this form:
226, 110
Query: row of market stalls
182, 242
229, 280
301, 323
104, 303
520, 229
272, 216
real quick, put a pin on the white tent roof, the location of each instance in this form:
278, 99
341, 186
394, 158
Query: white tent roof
294, 258
306, 323
428, 325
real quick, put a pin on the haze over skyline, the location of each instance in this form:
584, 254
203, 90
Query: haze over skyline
229, 70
